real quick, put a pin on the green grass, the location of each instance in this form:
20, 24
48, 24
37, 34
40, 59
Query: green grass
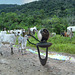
59, 44
66, 48
33, 41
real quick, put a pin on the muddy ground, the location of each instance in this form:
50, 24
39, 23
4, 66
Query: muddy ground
29, 64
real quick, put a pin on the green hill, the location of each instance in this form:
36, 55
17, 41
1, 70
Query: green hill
55, 15
50, 7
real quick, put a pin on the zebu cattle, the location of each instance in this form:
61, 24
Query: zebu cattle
53, 34
69, 32
16, 32
71, 27
3, 32
22, 41
66, 34
10, 31
8, 39
33, 30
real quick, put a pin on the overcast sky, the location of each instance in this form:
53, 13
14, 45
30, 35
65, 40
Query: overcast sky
15, 1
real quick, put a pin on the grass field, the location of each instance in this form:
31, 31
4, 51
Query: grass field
59, 44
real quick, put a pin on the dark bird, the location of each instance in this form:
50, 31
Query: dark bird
43, 35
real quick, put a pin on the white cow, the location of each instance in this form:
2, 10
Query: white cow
22, 41
16, 32
32, 30
69, 28
3, 32
8, 39
10, 31
53, 34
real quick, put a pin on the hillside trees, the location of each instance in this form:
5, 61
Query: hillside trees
15, 21
55, 24
62, 8
55, 15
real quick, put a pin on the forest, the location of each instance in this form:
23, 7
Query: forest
55, 15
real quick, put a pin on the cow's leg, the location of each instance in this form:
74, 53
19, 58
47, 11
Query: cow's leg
12, 49
19, 49
23, 52
25, 43
24, 48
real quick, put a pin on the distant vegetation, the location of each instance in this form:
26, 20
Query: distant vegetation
55, 15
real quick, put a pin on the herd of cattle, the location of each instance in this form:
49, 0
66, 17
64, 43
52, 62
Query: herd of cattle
10, 36
69, 32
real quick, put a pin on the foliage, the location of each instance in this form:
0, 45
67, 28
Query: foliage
55, 15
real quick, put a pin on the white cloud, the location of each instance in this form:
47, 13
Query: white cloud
27, 1
15, 1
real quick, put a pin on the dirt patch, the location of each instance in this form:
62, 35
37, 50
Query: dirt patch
29, 64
